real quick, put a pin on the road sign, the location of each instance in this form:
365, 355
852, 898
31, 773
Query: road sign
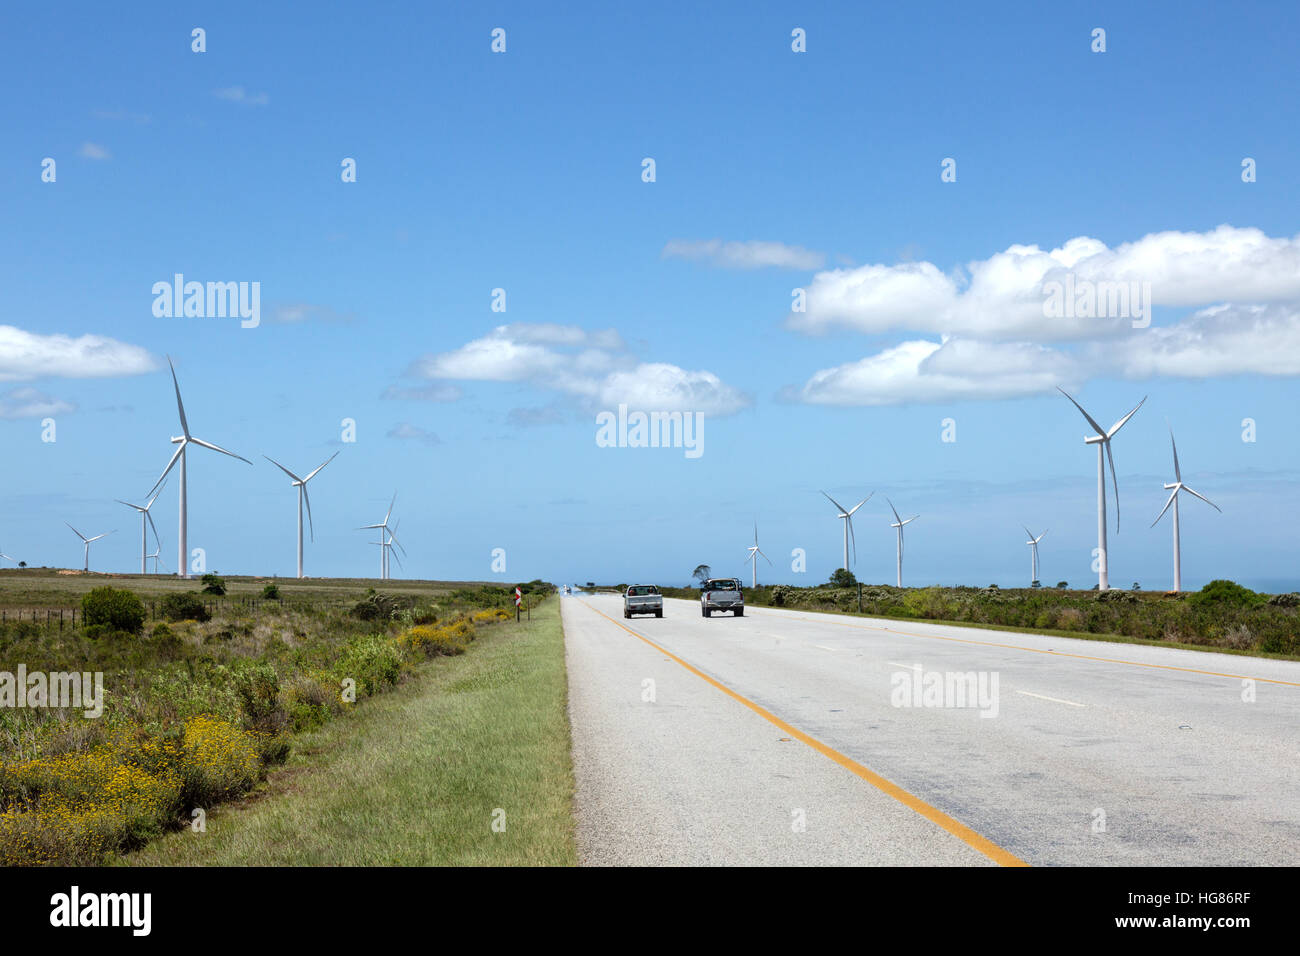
519, 597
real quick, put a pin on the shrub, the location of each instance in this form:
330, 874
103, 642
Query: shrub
1290, 599
219, 761
213, 585
183, 607
166, 642
372, 662
1222, 593
1069, 619
114, 608
258, 689
271, 593
1238, 636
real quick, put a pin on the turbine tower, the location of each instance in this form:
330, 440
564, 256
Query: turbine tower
146, 521
301, 485
384, 543
1102, 441
898, 523
1178, 486
1033, 555
184, 441
86, 541
847, 517
754, 552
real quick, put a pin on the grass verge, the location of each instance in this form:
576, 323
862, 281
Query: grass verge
419, 775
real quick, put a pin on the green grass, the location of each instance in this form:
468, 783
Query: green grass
413, 777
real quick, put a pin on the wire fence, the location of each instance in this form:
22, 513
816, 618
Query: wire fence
62, 617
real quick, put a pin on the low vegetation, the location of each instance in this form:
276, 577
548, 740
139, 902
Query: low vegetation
1221, 615
197, 705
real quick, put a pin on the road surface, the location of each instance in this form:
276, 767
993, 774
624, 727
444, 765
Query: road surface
797, 738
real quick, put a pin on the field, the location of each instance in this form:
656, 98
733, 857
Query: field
203, 693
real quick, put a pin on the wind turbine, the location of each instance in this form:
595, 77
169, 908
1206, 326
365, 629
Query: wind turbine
388, 546
156, 552
1178, 486
847, 516
146, 521
184, 441
301, 485
1102, 441
383, 542
754, 552
86, 541
898, 523
1033, 554
6, 557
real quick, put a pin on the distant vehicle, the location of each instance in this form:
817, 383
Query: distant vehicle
643, 599
722, 594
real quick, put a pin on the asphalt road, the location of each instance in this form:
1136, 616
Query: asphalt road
796, 738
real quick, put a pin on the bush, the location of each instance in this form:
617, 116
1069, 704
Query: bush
213, 585
219, 761
258, 689
113, 609
372, 662
1222, 593
167, 642
183, 607
271, 593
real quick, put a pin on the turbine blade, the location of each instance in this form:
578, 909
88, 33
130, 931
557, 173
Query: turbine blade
154, 526
854, 538
1203, 498
154, 498
280, 466
1091, 421
208, 444
1028, 532
389, 513
396, 558
129, 505
1178, 475
157, 487
1172, 495
307, 498
323, 464
895, 511
180, 406
1110, 455
76, 532
766, 558
835, 503
1120, 424
861, 503
369, 527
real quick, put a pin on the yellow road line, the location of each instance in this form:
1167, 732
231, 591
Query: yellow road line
916, 804
1039, 650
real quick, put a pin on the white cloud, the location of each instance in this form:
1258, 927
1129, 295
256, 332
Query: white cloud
405, 431
27, 402
237, 94
438, 392
27, 355
1002, 296
1214, 342
594, 368
94, 151
749, 254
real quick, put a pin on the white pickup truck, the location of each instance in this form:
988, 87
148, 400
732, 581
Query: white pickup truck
722, 594
643, 599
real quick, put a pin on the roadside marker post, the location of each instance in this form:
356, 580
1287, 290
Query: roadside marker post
519, 599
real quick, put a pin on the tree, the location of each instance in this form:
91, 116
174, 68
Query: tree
114, 609
22, 564
701, 573
1062, 584
1136, 586
271, 593
843, 578
213, 585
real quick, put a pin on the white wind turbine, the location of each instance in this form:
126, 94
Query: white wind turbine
86, 541
754, 552
1033, 554
301, 485
384, 543
1178, 486
1102, 441
391, 545
157, 551
898, 523
146, 522
847, 516
184, 441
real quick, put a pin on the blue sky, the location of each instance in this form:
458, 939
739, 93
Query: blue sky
775, 170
